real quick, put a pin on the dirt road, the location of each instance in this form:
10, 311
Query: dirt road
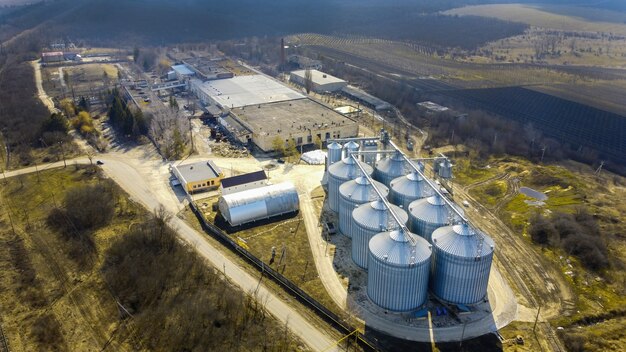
131, 179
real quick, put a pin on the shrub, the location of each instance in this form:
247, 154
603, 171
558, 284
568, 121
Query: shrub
542, 231
90, 207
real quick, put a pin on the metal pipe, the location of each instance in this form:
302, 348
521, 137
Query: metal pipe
382, 198
330, 140
431, 184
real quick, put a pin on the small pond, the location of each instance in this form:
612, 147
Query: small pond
539, 196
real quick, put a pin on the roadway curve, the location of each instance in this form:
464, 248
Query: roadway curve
132, 181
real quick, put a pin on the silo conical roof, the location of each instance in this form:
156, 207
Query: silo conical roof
396, 249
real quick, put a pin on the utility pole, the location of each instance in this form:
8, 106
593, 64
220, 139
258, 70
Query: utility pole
536, 318
191, 136
63, 154
599, 169
543, 152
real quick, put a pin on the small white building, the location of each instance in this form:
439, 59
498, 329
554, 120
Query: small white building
322, 82
243, 182
199, 176
182, 72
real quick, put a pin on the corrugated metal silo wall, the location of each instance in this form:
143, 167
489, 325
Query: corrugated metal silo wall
400, 199
361, 237
333, 192
423, 228
345, 215
460, 280
397, 288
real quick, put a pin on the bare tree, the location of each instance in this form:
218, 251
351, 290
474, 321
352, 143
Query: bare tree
308, 80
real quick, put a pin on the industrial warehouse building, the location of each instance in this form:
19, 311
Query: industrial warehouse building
198, 176
259, 203
322, 82
301, 120
258, 109
182, 72
242, 91
243, 182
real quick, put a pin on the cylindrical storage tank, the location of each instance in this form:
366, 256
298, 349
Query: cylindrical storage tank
390, 168
350, 147
352, 194
397, 276
340, 172
462, 259
369, 146
259, 203
445, 169
437, 163
369, 220
428, 214
334, 153
405, 189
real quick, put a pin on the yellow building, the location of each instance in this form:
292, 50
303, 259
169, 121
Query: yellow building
199, 176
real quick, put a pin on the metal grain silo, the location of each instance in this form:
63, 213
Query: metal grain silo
445, 169
369, 220
350, 147
334, 153
462, 258
259, 203
397, 276
390, 168
340, 172
428, 214
405, 189
352, 194
369, 146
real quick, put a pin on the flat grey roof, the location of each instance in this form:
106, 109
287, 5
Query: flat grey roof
294, 115
357, 93
319, 77
182, 70
248, 90
198, 171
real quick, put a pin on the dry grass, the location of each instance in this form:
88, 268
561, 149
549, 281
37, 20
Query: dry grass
78, 312
535, 16
288, 232
571, 185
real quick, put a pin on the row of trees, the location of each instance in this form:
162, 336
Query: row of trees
128, 122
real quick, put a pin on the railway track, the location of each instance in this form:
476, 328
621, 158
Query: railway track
4, 343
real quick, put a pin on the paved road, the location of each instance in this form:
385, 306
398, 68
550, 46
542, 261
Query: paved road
132, 181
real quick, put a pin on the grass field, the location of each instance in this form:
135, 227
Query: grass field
286, 232
83, 79
568, 187
65, 307
536, 16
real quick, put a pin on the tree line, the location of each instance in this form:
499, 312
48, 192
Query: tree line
127, 121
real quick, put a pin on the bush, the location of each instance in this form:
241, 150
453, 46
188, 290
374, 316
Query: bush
157, 278
90, 207
578, 235
573, 342
542, 231
47, 332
